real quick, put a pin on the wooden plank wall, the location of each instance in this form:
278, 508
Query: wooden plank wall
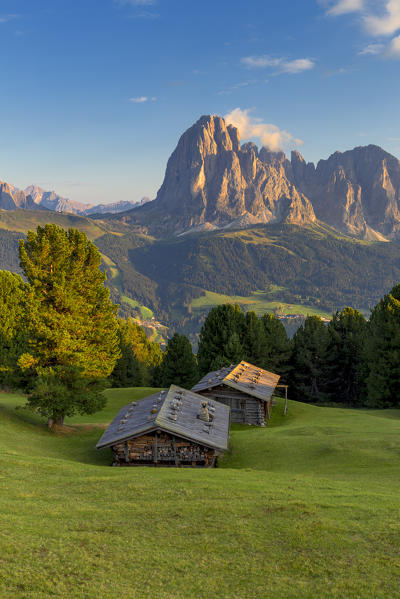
162, 449
245, 408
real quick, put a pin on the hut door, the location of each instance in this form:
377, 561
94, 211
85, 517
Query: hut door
237, 410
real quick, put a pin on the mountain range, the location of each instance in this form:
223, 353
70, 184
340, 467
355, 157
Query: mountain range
232, 222
214, 182
36, 198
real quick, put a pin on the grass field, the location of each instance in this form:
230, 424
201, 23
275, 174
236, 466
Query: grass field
306, 508
25, 220
259, 301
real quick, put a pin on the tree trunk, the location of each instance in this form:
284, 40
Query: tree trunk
52, 422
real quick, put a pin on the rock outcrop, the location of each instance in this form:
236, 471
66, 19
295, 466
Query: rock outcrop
12, 198
36, 198
211, 180
357, 192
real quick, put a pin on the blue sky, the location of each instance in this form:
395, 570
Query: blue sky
95, 93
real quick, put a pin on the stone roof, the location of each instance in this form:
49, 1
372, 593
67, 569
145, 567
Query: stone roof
175, 411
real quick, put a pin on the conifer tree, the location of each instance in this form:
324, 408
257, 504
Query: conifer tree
13, 331
221, 337
255, 343
307, 378
72, 322
179, 365
140, 357
344, 357
383, 352
278, 348
128, 372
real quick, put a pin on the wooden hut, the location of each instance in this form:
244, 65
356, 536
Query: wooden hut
172, 428
245, 388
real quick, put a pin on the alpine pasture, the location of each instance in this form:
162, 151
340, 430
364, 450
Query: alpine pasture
306, 507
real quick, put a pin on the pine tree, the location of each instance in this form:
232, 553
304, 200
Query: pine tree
307, 378
72, 322
140, 358
13, 331
278, 348
128, 372
221, 337
344, 357
179, 365
255, 343
383, 352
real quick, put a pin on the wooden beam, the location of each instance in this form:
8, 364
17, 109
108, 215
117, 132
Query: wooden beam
286, 398
174, 448
155, 447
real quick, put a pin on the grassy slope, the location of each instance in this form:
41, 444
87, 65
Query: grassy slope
258, 301
307, 507
25, 220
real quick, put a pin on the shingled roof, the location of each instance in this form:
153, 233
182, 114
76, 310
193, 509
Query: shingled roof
245, 377
175, 411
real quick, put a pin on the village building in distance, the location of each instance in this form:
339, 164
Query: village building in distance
245, 388
174, 427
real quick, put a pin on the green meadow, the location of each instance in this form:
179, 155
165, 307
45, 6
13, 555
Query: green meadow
259, 302
307, 507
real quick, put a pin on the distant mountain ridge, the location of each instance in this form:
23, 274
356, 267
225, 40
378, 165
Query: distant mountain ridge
214, 182
36, 198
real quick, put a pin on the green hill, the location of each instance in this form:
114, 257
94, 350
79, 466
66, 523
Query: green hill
283, 268
307, 507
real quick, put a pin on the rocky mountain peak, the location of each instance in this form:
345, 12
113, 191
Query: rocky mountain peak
211, 180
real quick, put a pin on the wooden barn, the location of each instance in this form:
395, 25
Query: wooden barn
245, 388
174, 427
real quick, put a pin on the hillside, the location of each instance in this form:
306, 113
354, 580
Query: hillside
314, 267
313, 498
284, 268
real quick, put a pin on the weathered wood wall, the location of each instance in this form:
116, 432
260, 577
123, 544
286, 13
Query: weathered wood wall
245, 408
162, 449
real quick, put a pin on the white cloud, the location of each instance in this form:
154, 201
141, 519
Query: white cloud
6, 18
385, 24
343, 7
270, 135
380, 18
393, 50
371, 49
281, 64
142, 99
296, 66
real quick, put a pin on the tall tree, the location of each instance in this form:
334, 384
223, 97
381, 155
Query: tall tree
254, 340
221, 337
179, 365
128, 372
383, 352
307, 378
278, 348
13, 332
72, 325
140, 357
344, 357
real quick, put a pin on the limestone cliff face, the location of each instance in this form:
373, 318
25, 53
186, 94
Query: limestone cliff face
211, 180
357, 192
12, 198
